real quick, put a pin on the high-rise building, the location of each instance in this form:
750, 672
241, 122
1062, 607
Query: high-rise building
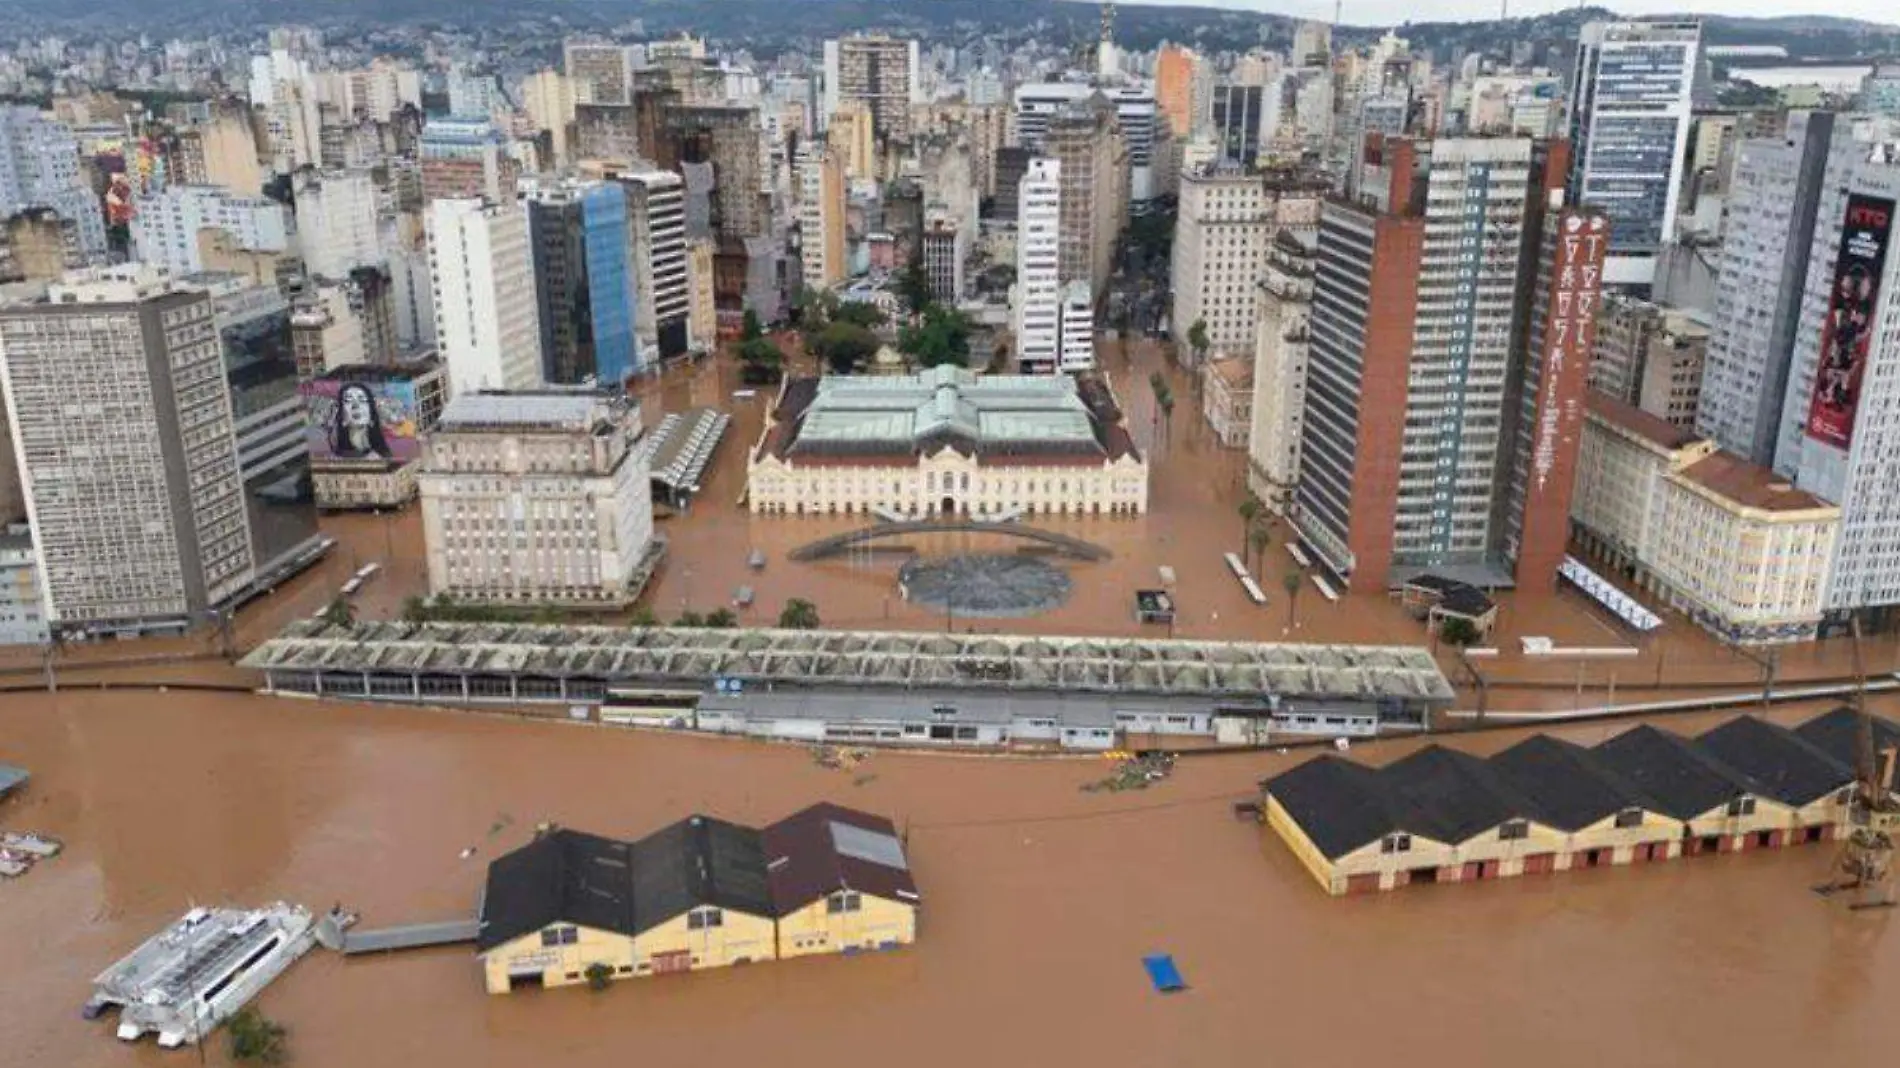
165, 230
1630, 106
656, 213
1038, 294
1312, 44
1776, 186
1279, 370
1649, 356
473, 93
702, 310
380, 90
1087, 141
601, 71
821, 208
128, 366
849, 134
1174, 87
944, 245
22, 608
1228, 219
1039, 105
548, 98
583, 281
1880, 90
39, 168
878, 71
463, 157
222, 151
587, 536
1075, 331
1439, 424
1840, 424
727, 138
483, 280
1239, 115
337, 226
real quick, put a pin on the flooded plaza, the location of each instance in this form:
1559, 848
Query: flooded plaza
1039, 901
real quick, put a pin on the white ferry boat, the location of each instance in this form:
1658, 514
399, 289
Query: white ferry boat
201, 970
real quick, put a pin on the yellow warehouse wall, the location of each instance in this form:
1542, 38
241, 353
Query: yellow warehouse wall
813, 929
1308, 854
741, 937
557, 963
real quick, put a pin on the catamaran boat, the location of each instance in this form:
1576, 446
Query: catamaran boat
200, 971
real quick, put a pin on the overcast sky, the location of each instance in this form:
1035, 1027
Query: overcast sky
1380, 12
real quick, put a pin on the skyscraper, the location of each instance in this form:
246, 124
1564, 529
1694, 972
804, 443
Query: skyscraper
583, 282
39, 168
821, 205
337, 226
1630, 108
165, 231
1776, 187
1038, 260
878, 71
601, 71
1285, 294
123, 423
656, 216
482, 274
1174, 87
1229, 217
464, 157
1239, 113
1085, 138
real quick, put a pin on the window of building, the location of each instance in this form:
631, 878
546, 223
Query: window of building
702, 919
560, 936
1396, 843
1742, 806
843, 901
1630, 817
1514, 829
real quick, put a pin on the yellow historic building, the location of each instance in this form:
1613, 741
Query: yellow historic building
947, 442
571, 907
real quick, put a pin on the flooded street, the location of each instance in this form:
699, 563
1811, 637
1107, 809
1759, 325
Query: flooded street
1040, 900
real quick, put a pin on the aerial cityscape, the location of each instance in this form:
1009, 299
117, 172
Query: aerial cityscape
860, 532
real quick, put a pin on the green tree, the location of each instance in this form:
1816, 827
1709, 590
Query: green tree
799, 614
721, 618
1249, 513
1164, 398
339, 612
599, 975
1259, 540
760, 362
415, 610
914, 286
861, 313
1456, 630
690, 618
843, 346
256, 1038
941, 336
643, 617
1292, 582
751, 329
1197, 340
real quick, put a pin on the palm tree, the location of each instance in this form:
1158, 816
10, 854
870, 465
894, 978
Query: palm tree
799, 614
1291, 582
339, 613
1249, 513
1197, 340
1260, 539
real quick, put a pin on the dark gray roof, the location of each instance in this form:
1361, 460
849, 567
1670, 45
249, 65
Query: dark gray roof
828, 847
1836, 733
1451, 796
1783, 765
561, 877
1570, 785
696, 862
1339, 804
1684, 780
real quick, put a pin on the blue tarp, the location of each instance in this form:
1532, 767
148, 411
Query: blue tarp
1163, 974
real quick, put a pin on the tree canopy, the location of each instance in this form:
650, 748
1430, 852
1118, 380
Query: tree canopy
941, 336
843, 346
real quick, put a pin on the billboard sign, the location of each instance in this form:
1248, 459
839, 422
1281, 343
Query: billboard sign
371, 422
1847, 333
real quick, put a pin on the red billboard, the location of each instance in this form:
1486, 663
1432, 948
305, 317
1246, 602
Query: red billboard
1847, 333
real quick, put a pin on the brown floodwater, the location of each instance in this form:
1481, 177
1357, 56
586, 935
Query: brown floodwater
1040, 900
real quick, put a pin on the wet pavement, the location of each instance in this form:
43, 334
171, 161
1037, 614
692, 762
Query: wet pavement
1040, 900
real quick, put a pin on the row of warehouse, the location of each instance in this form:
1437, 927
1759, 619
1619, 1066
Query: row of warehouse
1547, 805
571, 907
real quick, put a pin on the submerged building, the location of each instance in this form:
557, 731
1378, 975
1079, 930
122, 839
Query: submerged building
571, 907
945, 443
1547, 805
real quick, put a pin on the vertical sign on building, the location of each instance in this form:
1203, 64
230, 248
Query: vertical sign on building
1570, 323
1847, 332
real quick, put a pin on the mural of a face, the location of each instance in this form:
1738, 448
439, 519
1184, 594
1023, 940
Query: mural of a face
357, 430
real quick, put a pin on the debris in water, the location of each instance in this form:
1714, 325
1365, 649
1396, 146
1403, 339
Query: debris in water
1134, 771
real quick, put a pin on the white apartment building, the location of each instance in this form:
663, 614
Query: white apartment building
1278, 413
165, 230
39, 168
945, 247
1729, 543
656, 211
879, 72
337, 222
1038, 293
380, 90
482, 281
538, 498
1076, 335
1227, 222
22, 608
123, 425
1840, 422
